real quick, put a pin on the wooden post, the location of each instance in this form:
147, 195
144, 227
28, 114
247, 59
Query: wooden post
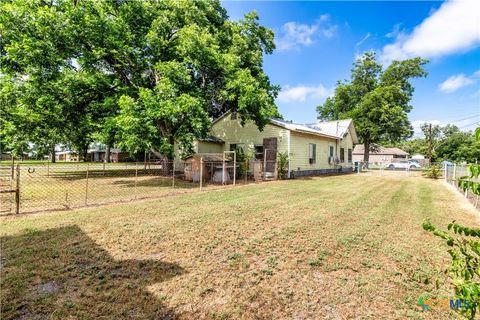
86, 186
234, 166
104, 167
17, 191
201, 173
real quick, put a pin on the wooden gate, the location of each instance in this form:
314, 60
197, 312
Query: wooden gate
269, 158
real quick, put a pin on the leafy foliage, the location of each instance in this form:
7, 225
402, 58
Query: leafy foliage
448, 144
141, 74
376, 99
433, 172
282, 165
465, 249
465, 267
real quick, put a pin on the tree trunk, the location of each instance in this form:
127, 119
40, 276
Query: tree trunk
107, 154
85, 154
53, 154
366, 152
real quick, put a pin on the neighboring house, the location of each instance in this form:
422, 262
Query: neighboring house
322, 147
98, 155
66, 155
381, 156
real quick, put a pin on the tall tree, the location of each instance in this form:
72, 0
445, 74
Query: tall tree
376, 99
143, 73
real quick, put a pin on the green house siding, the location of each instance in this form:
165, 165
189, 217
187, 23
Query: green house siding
299, 152
232, 132
208, 147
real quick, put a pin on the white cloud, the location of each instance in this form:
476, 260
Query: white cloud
295, 35
417, 126
302, 93
395, 32
454, 27
359, 43
458, 81
455, 82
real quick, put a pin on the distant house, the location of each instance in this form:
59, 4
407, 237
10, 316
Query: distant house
99, 154
381, 156
66, 155
321, 147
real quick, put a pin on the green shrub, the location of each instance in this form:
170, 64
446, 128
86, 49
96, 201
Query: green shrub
434, 172
282, 165
465, 268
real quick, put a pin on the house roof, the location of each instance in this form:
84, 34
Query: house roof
331, 129
210, 138
360, 149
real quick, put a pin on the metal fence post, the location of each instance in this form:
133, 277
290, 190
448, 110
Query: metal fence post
201, 173
234, 167
17, 191
223, 168
246, 171
136, 178
173, 173
86, 186
454, 173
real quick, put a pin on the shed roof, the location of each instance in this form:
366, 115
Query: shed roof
209, 157
210, 138
360, 149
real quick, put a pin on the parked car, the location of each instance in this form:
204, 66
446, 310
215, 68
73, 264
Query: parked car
404, 165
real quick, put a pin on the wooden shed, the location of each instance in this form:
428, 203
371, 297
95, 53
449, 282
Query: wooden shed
212, 167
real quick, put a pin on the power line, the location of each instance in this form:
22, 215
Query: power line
466, 118
470, 124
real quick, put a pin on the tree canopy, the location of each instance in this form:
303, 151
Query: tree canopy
141, 74
376, 99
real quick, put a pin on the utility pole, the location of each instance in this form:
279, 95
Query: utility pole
430, 143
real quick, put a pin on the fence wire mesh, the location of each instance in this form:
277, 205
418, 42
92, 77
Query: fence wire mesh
45, 186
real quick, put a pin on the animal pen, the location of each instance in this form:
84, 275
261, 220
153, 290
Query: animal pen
45, 186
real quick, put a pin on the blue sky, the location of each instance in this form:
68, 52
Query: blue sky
317, 43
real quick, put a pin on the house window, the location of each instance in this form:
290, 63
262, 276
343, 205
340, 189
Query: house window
330, 153
349, 155
259, 152
342, 155
312, 153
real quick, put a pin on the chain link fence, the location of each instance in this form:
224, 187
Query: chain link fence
454, 171
46, 186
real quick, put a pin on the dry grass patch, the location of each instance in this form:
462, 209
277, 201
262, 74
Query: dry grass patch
341, 247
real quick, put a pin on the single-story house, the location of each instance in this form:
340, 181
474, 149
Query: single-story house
98, 155
66, 155
321, 147
381, 156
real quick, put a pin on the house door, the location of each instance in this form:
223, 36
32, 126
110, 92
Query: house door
270, 158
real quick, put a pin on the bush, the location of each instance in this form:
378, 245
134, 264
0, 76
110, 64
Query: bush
434, 172
465, 268
282, 165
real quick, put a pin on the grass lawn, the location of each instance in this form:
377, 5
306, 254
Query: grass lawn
338, 247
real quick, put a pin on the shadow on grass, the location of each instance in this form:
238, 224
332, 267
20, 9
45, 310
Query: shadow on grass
61, 273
